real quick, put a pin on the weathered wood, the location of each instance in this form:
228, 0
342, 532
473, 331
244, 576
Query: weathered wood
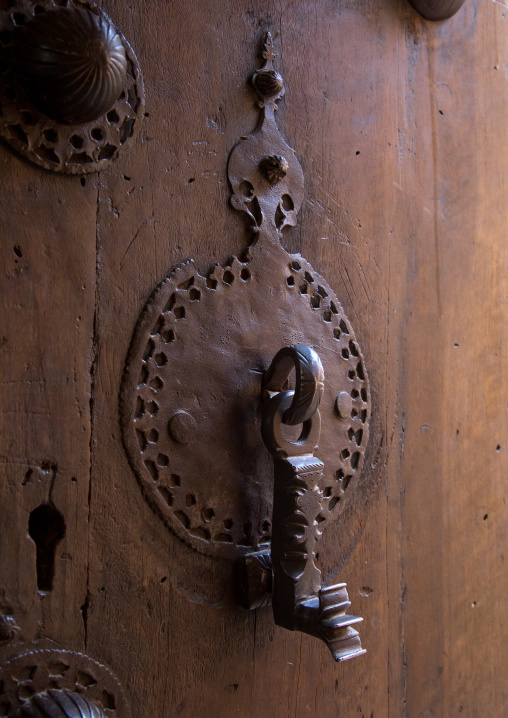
453, 516
399, 127
48, 297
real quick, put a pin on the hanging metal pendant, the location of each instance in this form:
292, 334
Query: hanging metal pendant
191, 399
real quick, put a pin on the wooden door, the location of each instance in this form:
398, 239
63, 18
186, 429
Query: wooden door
400, 126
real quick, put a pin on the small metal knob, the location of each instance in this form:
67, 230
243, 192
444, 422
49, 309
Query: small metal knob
268, 83
8, 628
274, 168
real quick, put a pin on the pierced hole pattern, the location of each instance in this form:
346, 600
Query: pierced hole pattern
77, 149
350, 457
184, 498
184, 507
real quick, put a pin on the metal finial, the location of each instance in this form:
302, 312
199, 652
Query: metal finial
265, 175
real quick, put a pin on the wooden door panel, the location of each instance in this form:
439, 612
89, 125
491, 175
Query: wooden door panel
399, 126
48, 280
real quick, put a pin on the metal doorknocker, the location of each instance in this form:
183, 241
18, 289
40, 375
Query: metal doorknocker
201, 397
299, 600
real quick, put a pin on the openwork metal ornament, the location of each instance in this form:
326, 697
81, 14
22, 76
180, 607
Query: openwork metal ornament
71, 91
191, 400
61, 684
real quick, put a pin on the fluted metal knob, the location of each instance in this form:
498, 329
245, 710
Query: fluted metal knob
72, 64
59, 703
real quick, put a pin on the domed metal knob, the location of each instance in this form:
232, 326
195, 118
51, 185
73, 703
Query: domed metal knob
437, 10
59, 704
8, 628
268, 83
72, 64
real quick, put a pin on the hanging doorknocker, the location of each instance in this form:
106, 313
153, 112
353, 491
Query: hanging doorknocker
198, 394
299, 600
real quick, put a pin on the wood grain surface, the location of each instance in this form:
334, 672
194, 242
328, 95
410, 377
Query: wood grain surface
400, 126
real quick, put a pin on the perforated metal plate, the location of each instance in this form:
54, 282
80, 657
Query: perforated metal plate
30, 673
191, 395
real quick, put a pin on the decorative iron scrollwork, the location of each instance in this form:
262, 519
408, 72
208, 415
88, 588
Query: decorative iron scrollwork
264, 172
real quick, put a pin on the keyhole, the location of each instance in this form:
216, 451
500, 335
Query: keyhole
46, 527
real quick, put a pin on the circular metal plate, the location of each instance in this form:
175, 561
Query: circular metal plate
191, 396
30, 673
72, 149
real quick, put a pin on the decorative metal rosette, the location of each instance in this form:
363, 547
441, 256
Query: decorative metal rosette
71, 90
61, 684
